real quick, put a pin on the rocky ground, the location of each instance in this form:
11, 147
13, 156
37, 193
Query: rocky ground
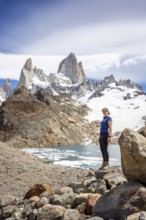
19, 171
58, 193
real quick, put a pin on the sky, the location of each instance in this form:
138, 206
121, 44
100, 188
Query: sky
108, 36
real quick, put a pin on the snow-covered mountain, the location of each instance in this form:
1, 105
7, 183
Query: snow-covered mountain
127, 106
125, 99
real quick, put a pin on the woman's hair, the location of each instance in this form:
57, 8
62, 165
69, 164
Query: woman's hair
106, 110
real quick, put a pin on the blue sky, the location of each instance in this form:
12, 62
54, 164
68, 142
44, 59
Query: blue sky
109, 36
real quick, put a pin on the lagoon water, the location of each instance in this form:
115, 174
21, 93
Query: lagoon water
84, 156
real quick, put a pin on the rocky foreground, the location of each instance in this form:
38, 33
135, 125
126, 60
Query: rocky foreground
31, 189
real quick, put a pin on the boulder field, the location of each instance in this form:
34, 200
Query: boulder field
34, 190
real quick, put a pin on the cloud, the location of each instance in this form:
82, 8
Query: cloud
127, 38
135, 60
96, 66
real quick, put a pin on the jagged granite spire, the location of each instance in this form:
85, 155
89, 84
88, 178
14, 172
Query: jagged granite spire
26, 75
72, 69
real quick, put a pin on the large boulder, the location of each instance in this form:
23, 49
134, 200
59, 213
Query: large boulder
133, 155
121, 202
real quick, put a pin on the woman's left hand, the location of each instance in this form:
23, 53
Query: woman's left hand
109, 139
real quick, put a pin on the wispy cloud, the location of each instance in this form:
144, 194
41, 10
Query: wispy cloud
127, 38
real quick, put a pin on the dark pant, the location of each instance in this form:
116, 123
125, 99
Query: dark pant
103, 140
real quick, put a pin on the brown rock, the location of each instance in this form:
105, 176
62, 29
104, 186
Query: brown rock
133, 155
37, 189
91, 200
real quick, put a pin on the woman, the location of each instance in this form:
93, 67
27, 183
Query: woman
105, 137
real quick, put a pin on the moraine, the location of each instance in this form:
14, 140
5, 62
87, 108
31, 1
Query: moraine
84, 156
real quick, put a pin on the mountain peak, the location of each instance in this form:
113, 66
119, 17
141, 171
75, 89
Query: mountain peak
72, 69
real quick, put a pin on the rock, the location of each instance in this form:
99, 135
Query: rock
27, 210
26, 75
81, 208
72, 214
64, 190
81, 198
44, 194
121, 202
51, 212
60, 78
37, 189
6, 200
142, 216
43, 201
31, 78
98, 187
78, 187
134, 216
128, 83
91, 200
72, 69
114, 178
7, 88
7, 211
99, 174
17, 213
33, 199
142, 131
97, 93
88, 182
66, 200
133, 155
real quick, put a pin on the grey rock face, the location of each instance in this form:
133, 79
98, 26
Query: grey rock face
72, 69
30, 78
7, 88
26, 75
39, 73
128, 83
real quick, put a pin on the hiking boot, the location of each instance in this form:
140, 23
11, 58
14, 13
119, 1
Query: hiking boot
105, 166
100, 168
